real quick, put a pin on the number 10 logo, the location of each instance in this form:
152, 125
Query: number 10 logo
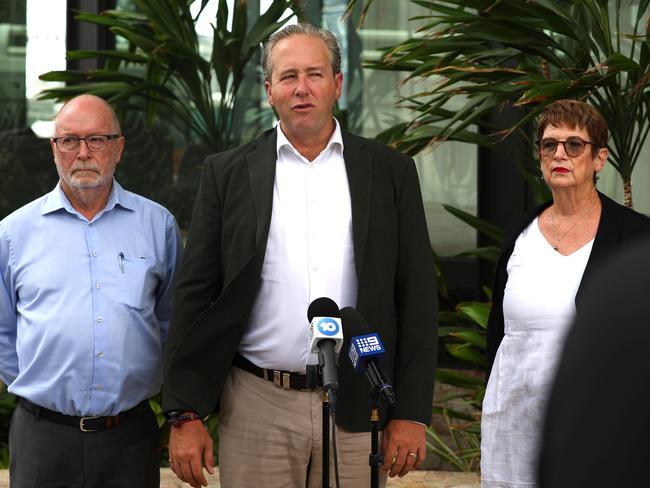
328, 326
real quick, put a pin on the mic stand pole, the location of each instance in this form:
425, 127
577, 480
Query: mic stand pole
376, 458
326, 441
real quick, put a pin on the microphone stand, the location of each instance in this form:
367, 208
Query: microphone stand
376, 458
326, 441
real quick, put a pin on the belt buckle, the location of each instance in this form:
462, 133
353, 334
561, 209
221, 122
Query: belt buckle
83, 419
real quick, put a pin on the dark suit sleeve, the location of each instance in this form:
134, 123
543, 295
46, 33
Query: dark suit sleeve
416, 303
199, 282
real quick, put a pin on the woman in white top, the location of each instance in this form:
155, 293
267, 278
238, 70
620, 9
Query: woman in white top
543, 265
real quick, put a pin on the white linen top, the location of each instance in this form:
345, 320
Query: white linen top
538, 308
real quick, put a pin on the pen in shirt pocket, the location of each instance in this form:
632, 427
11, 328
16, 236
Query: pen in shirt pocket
120, 261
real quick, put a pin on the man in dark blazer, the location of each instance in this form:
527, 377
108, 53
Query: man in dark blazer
597, 428
227, 292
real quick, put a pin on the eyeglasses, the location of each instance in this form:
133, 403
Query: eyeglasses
573, 146
69, 144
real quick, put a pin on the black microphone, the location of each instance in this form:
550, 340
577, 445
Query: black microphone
326, 339
322, 307
365, 353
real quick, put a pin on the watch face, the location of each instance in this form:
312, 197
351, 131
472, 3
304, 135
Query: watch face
172, 414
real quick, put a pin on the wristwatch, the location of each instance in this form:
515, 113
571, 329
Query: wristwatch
176, 418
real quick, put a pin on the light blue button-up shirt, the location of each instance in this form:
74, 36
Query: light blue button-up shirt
85, 305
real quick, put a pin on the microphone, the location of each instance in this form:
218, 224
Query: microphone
365, 353
326, 339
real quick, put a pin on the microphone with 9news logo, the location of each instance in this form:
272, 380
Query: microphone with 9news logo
365, 353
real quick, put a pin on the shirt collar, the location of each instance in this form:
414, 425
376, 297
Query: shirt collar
335, 141
56, 200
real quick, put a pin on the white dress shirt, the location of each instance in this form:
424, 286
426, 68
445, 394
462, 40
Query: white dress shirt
309, 254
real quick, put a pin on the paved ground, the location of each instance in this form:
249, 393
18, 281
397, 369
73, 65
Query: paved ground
417, 479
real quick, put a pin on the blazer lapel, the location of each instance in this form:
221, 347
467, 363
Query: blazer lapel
261, 171
358, 164
607, 238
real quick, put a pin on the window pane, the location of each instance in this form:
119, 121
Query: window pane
448, 173
32, 41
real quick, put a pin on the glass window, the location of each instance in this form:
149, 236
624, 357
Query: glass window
32, 41
448, 172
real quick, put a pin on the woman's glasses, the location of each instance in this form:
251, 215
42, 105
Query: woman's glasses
573, 146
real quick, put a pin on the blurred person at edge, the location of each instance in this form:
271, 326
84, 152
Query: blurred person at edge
87, 275
305, 211
545, 261
597, 428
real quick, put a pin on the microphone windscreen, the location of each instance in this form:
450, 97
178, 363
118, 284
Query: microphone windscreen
353, 323
322, 307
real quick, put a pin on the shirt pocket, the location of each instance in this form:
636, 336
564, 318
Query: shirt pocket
137, 282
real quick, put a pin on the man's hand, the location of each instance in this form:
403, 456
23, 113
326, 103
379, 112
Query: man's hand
190, 449
403, 445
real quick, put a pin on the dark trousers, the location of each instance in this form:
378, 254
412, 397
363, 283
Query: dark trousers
45, 454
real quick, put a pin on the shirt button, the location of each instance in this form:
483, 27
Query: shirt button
98, 286
98, 387
94, 254
100, 355
99, 318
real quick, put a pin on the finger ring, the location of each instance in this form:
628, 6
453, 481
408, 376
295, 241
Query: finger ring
412, 454
394, 459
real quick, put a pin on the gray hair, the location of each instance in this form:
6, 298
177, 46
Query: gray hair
333, 47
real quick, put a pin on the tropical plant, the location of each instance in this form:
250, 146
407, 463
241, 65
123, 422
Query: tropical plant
491, 231
463, 332
163, 69
8, 403
478, 56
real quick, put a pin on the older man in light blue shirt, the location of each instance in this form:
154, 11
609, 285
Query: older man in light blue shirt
87, 274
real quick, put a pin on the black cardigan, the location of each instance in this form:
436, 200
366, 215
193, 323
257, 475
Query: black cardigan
617, 225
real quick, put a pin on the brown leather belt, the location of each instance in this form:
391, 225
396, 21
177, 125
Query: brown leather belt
282, 379
89, 423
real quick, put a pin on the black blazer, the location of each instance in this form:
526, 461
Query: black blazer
617, 225
223, 259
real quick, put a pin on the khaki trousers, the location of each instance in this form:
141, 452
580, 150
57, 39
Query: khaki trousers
272, 437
